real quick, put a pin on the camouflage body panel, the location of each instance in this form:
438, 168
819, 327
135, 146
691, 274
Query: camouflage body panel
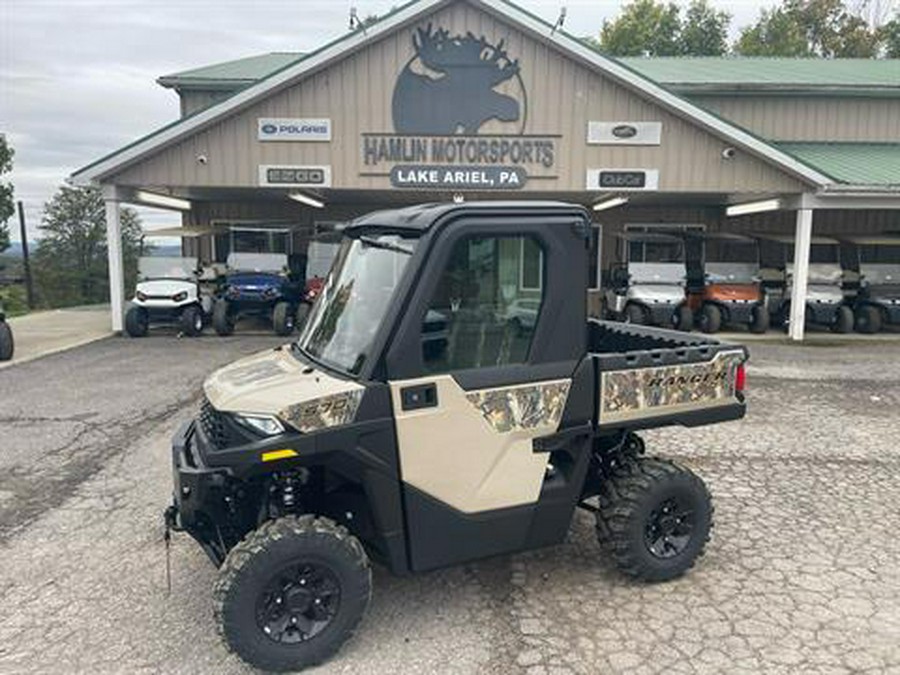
651, 392
324, 412
521, 408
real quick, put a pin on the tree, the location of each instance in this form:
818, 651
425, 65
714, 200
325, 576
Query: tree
70, 264
653, 28
7, 208
704, 31
889, 35
825, 28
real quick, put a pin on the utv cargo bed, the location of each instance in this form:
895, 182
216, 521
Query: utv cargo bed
650, 377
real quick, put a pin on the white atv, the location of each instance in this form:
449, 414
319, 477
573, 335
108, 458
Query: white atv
169, 291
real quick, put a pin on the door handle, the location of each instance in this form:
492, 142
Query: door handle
419, 396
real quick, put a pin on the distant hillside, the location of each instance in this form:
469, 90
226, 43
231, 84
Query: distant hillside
15, 249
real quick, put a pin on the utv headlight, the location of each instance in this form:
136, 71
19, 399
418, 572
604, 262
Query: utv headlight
267, 425
180, 297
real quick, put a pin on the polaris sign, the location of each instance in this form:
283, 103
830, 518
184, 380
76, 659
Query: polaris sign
293, 129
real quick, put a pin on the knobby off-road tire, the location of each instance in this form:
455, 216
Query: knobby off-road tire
192, 321
222, 319
655, 519
278, 555
7, 344
283, 319
136, 322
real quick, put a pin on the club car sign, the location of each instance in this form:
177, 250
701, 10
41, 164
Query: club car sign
445, 96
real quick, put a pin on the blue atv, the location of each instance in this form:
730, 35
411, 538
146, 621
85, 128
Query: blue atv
258, 284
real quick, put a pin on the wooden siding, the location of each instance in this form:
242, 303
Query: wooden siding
809, 118
356, 94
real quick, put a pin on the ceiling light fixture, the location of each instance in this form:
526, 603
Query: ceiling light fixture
610, 203
753, 207
164, 201
306, 199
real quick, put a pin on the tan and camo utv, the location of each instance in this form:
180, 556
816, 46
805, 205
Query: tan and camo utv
447, 400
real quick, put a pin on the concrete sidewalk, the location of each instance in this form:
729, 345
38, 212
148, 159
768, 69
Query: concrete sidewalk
42, 333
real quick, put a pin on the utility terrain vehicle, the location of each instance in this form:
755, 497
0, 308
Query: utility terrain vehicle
648, 288
7, 344
414, 425
723, 283
875, 262
169, 291
258, 284
825, 298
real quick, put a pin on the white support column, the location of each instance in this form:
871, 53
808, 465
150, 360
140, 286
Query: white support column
802, 243
116, 266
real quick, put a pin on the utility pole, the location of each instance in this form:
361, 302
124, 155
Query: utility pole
29, 288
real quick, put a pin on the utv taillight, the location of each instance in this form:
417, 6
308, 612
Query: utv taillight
740, 378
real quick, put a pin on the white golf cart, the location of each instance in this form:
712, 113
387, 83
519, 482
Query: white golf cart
171, 290
649, 287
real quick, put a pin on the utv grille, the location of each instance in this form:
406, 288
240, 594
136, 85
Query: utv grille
213, 424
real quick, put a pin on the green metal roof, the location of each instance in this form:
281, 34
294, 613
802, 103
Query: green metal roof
231, 73
735, 73
855, 163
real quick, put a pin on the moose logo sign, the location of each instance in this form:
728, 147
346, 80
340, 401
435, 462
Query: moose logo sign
459, 110
449, 85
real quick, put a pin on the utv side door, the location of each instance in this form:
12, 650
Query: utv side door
482, 365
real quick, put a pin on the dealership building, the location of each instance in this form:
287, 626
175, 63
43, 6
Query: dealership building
467, 99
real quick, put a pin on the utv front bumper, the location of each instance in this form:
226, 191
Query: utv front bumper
199, 495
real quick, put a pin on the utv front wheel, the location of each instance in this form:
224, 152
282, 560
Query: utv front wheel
192, 321
292, 592
7, 345
655, 519
683, 318
636, 314
137, 322
222, 319
283, 319
868, 319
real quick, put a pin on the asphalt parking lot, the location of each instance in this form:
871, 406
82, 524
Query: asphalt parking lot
802, 575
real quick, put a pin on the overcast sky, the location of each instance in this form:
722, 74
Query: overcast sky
77, 77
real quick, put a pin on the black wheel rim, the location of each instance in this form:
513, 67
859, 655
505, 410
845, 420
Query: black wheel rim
669, 528
299, 603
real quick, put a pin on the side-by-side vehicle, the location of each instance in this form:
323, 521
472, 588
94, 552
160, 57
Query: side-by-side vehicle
447, 400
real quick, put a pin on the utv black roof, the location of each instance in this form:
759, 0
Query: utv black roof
422, 217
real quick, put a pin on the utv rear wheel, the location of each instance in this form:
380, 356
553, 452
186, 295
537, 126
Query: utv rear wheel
655, 519
7, 345
192, 321
636, 314
843, 320
759, 319
292, 592
683, 319
710, 319
868, 319
137, 322
222, 319
283, 319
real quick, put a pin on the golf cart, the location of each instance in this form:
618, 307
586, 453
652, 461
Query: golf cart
364, 441
7, 344
875, 261
825, 298
723, 283
170, 290
258, 284
648, 288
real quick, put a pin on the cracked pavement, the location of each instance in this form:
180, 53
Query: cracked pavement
802, 574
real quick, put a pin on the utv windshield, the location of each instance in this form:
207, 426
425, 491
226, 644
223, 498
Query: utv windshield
348, 312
